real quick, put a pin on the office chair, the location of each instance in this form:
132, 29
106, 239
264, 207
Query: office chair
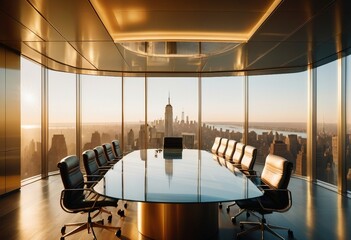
216, 144
117, 149
109, 153
76, 197
222, 147
238, 153
229, 152
275, 178
101, 157
95, 173
172, 143
245, 166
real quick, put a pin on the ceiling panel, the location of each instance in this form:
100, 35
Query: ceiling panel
22, 12
103, 55
70, 36
61, 52
75, 20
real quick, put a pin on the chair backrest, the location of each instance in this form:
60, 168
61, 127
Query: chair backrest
172, 143
222, 147
276, 172
70, 172
108, 152
230, 149
238, 153
100, 156
90, 165
216, 144
249, 158
117, 149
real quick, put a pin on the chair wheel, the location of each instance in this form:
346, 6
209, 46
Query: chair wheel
234, 220
118, 233
109, 219
125, 205
62, 238
63, 230
228, 209
290, 234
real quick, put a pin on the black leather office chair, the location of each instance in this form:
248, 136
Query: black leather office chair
216, 144
275, 178
92, 169
77, 198
246, 166
109, 153
117, 149
101, 157
95, 173
172, 143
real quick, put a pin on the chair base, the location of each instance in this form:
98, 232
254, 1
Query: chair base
263, 226
89, 225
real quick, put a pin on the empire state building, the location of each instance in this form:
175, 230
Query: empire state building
169, 119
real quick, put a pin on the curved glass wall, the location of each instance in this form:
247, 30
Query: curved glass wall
62, 117
101, 106
30, 119
278, 117
145, 109
172, 110
327, 118
222, 109
348, 124
134, 111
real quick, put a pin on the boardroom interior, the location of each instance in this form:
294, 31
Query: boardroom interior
275, 75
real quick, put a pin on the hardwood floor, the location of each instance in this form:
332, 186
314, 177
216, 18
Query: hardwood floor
34, 212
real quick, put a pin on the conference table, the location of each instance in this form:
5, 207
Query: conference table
177, 191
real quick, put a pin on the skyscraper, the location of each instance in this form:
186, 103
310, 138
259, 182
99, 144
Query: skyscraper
169, 119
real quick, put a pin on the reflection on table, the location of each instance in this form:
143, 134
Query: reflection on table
175, 190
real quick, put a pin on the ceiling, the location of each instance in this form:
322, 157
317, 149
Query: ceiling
87, 36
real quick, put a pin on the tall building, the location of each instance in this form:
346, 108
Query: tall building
58, 150
169, 119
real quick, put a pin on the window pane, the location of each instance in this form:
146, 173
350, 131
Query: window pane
101, 110
278, 117
348, 122
30, 119
326, 152
62, 117
172, 110
222, 109
134, 111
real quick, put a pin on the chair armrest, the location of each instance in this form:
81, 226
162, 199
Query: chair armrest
279, 200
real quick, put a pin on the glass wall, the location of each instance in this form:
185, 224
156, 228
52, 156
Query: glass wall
278, 117
30, 119
101, 110
134, 111
327, 117
277, 114
62, 117
348, 123
222, 109
172, 110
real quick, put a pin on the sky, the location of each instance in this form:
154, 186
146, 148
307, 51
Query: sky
272, 98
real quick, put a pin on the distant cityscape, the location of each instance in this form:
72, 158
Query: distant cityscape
284, 139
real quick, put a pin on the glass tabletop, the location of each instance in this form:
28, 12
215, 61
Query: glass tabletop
186, 176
